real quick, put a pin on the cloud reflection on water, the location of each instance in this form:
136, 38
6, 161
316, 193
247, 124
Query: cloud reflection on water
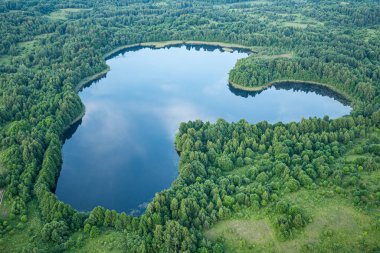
123, 152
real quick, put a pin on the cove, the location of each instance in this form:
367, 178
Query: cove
122, 151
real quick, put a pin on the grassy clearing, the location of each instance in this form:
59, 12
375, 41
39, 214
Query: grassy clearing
344, 3
61, 14
288, 55
259, 2
5, 59
351, 158
27, 46
22, 48
241, 235
109, 241
298, 21
337, 226
239, 171
295, 25
21, 234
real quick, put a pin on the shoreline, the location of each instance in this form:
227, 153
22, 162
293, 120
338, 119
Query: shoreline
284, 82
91, 79
78, 118
227, 47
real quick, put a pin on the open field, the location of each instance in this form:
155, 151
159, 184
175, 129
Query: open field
5, 59
337, 226
21, 233
62, 13
109, 241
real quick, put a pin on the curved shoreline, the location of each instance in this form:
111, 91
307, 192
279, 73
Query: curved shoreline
227, 47
77, 119
90, 79
284, 82
84, 82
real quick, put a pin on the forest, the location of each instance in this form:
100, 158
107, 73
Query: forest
228, 171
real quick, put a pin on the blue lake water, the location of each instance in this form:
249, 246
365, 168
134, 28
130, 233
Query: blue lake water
122, 152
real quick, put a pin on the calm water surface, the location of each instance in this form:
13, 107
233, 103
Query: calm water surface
122, 152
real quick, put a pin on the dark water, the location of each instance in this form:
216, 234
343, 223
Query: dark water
122, 152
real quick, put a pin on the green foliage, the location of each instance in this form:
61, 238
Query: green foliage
334, 224
94, 232
224, 167
55, 232
172, 238
225, 163
290, 218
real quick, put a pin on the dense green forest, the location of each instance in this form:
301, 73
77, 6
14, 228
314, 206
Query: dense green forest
228, 172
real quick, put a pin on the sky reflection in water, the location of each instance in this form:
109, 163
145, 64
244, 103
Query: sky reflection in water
123, 152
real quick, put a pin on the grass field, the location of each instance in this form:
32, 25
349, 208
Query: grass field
5, 59
336, 226
109, 241
302, 22
62, 13
275, 56
21, 233
22, 48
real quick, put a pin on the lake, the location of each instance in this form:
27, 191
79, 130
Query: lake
122, 152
